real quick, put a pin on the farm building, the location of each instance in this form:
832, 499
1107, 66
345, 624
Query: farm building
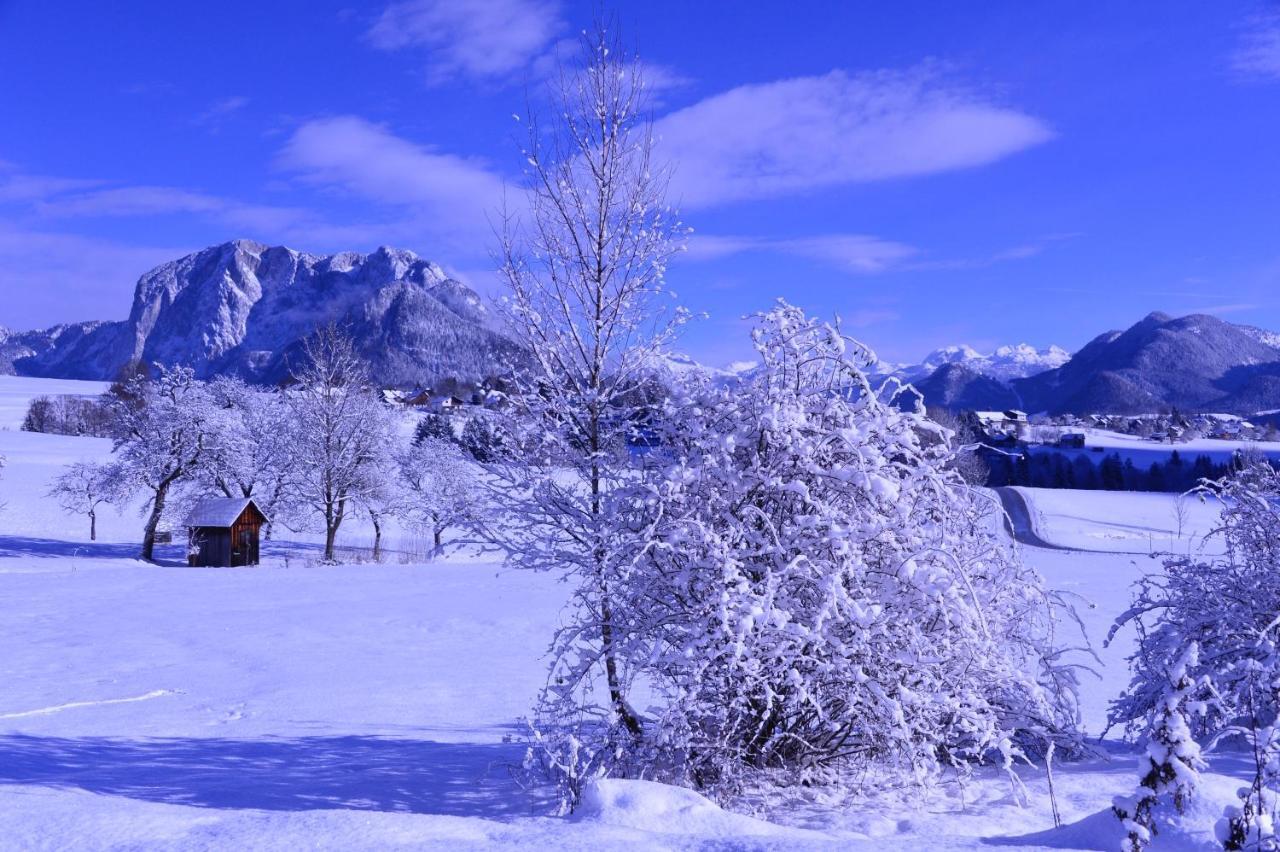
224, 531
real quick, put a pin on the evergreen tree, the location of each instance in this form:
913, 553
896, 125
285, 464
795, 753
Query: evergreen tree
436, 427
1172, 764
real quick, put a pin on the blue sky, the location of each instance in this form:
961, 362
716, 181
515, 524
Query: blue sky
934, 173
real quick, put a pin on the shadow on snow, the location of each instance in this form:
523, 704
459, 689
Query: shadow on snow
281, 774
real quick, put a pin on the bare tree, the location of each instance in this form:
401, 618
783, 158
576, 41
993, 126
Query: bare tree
83, 487
587, 300
1181, 512
337, 432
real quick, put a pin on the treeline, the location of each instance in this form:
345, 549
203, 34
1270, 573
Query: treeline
1049, 469
68, 415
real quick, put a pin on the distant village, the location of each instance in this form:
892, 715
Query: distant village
1012, 427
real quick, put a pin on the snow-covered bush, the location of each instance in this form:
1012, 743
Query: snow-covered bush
1227, 605
1254, 824
484, 439
1170, 768
823, 593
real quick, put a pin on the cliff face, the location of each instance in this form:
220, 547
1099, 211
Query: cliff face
243, 308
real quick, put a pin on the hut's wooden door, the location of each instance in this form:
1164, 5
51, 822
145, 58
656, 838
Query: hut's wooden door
241, 544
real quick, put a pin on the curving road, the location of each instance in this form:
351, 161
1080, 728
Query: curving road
1018, 520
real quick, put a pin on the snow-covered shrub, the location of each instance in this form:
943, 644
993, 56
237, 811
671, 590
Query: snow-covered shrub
1170, 768
1227, 605
821, 593
1254, 823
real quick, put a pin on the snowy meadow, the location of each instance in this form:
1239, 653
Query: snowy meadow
608, 600
380, 705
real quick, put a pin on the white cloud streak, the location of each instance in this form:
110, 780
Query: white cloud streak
808, 133
857, 253
480, 39
1258, 54
449, 194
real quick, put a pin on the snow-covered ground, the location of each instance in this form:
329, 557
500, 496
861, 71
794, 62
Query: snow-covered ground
1124, 521
376, 706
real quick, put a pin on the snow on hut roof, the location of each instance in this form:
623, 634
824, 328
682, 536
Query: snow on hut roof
218, 511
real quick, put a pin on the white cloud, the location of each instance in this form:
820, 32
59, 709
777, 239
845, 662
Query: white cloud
802, 134
220, 110
855, 252
1258, 54
17, 186
483, 39
449, 194
129, 201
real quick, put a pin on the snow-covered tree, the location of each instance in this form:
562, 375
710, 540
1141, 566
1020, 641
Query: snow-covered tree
1170, 768
84, 486
819, 591
587, 302
484, 439
432, 425
439, 487
337, 433
165, 427
250, 458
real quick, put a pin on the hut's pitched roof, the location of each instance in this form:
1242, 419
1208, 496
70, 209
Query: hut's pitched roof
219, 511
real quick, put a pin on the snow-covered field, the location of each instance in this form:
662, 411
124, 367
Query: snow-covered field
1123, 521
16, 393
377, 706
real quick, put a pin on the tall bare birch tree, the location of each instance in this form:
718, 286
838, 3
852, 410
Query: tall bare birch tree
584, 263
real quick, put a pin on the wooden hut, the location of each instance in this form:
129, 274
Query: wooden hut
223, 531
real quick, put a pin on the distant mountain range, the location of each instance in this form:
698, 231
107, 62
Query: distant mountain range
1193, 363
1004, 364
244, 308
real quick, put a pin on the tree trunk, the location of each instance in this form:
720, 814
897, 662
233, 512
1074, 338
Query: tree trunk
93, 525
332, 520
330, 533
149, 531
377, 536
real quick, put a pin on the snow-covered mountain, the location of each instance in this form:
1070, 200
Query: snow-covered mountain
1004, 364
244, 308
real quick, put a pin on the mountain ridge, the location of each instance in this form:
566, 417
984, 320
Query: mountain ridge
244, 308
